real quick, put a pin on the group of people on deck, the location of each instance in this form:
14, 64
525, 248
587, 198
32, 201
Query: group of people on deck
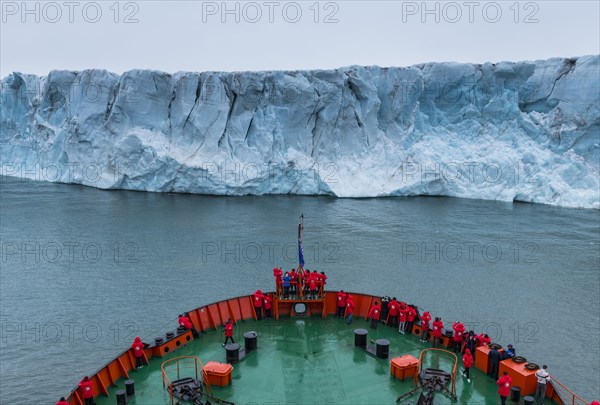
390, 312
404, 316
301, 283
345, 306
262, 302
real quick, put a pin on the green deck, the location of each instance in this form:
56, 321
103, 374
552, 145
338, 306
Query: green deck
307, 361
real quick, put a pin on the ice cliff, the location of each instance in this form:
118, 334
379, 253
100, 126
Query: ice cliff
526, 131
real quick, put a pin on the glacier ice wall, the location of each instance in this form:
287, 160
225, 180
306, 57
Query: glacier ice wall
526, 131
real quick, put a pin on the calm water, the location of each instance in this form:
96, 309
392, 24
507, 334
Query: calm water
84, 271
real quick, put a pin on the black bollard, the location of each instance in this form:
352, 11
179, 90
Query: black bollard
158, 341
121, 397
382, 348
170, 335
528, 400
250, 341
130, 388
233, 353
515, 394
360, 338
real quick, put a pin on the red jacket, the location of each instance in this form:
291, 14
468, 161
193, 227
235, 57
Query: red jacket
258, 299
393, 308
138, 347
293, 278
467, 359
374, 312
277, 273
312, 282
341, 299
482, 340
229, 329
349, 307
504, 384
437, 329
425, 319
459, 329
185, 322
267, 301
412, 314
87, 388
323, 278
403, 312
62, 402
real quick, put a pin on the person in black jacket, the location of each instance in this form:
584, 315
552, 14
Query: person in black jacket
471, 343
494, 357
385, 301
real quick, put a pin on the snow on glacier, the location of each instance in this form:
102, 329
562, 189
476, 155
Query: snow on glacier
526, 131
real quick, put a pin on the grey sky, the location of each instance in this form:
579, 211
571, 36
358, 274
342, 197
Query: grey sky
192, 36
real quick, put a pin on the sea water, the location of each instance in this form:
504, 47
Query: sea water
84, 271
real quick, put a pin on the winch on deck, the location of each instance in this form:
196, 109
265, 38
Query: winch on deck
188, 388
432, 380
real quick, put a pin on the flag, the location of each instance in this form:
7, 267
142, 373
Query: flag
300, 250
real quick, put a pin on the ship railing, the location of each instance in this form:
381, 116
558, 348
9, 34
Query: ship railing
560, 393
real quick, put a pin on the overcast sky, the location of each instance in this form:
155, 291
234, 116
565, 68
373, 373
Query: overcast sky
273, 34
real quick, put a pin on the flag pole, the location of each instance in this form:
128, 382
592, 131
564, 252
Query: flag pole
300, 252
300, 258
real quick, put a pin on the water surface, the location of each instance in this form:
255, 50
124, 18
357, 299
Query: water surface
85, 270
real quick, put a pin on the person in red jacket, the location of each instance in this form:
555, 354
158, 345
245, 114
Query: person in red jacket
185, 321
62, 401
482, 339
459, 330
258, 304
228, 330
278, 274
304, 285
349, 309
468, 363
313, 285
425, 319
267, 306
393, 312
403, 309
341, 304
374, 314
438, 326
293, 283
504, 384
410, 318
87, 390
322, 282
138, 352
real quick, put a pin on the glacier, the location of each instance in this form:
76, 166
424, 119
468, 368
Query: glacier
509, 131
